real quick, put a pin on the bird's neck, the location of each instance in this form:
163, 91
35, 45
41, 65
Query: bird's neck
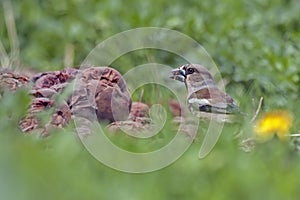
193, 86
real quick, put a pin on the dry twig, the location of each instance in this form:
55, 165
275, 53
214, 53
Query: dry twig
257, 110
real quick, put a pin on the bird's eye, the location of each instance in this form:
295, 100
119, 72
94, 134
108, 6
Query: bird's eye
190, 70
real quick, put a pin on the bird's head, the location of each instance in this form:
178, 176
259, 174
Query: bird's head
193, 75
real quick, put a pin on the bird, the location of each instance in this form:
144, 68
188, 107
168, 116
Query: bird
203, 94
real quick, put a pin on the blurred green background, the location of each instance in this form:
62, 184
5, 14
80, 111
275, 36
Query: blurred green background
255, 44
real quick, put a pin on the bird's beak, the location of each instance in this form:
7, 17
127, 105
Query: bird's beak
178, 74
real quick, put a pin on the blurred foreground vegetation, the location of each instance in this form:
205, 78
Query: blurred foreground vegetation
255, 44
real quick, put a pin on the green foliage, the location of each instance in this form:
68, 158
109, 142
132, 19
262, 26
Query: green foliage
255, 44
252, 42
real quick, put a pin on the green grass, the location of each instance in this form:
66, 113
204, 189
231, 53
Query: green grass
255, 45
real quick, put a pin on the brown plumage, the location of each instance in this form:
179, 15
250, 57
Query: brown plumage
203, 93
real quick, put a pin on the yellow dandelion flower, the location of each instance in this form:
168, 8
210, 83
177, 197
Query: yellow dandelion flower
276, 122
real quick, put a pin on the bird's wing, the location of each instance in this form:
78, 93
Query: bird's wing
212, 100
